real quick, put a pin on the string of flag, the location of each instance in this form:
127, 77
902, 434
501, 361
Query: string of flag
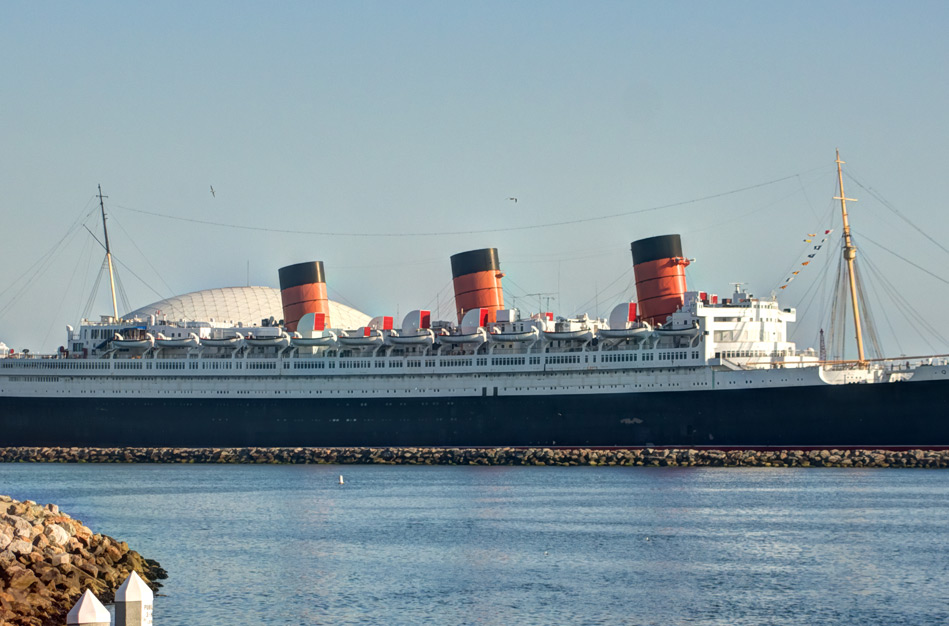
813, 251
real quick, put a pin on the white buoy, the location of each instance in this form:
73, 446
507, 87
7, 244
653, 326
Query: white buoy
133, 602
88, 611
341, 479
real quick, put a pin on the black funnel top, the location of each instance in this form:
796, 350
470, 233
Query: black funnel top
655, 248
301, 274
473, 261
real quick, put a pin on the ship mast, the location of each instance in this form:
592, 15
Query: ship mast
850, 253
108, 255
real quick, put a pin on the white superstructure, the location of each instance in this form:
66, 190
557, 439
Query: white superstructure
708, 344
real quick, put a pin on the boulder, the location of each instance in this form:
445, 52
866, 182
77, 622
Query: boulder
47, 560
56, 534
21, 579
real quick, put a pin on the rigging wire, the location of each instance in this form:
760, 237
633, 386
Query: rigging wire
141, 280
811, 294
911, 315
84, 258
913, 319
879, 198
867, 318
720, 223
61, 303
904, 259
878, 277
154, 269
437, 300
810, 205
95, 291
796, 263
338, 295
468, 232
836, 334
827, 297
22, 283
624, 294
524, 294
122, 293
599, 293
120, 288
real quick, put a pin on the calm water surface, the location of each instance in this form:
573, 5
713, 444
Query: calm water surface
456, 545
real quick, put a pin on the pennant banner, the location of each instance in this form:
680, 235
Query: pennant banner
809, 253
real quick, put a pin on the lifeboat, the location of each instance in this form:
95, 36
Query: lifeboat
639, 332
191, 341
527, 335
363, 337
425, 338
688, 331
140, 344
228, 342
479, 336
280, 341
568, 335
299, 341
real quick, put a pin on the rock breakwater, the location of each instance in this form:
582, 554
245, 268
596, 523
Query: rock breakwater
663, 457
47, 559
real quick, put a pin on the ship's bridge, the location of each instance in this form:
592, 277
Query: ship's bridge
743, 331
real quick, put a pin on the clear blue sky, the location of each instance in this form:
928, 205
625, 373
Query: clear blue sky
401, 118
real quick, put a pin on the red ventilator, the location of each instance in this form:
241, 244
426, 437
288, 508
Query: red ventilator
476, 275
302, 291
660, 276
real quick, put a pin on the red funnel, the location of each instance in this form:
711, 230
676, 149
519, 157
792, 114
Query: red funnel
477, 279
303, 290
660, 276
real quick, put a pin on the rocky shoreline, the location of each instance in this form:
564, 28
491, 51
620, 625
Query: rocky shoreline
649, 457
48, 559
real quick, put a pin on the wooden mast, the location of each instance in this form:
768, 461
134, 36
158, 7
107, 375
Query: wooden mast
108, 255
850, 253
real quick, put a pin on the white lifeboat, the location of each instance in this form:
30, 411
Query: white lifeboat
416, 330
327, 339
278, 341
426, 337
364, 336
688, 331
191, 341
638, 332
226, 342
478, 336
140, 344
569, 335
508, 337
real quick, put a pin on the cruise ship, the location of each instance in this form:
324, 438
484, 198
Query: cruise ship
673, 367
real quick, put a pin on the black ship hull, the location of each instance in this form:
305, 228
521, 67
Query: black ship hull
907, 414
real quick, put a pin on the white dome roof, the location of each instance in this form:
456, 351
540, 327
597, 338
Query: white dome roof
248, 305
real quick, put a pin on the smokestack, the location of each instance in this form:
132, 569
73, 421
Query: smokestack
303, 290
660, 276
477, 278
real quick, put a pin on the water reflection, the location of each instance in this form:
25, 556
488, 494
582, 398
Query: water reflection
465, 545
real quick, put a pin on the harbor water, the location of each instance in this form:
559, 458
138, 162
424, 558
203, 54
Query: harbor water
287, 544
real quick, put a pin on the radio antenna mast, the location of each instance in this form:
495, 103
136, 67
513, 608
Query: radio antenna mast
108, 255
850, 253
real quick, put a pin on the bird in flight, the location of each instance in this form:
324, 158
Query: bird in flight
213, 195
514, 199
